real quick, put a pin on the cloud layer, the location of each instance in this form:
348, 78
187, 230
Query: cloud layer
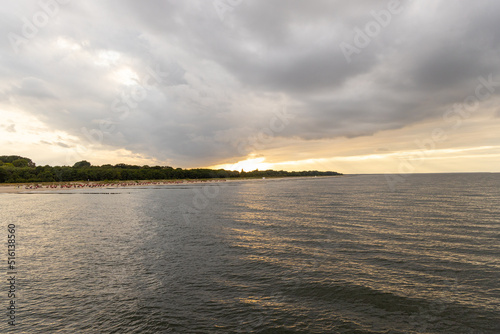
196, 83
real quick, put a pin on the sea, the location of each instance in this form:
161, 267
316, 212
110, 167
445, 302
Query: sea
415, 253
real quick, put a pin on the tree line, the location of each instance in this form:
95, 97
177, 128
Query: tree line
17, 169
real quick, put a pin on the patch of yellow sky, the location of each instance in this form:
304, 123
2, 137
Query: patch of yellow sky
474, 146
24, 134
476, 159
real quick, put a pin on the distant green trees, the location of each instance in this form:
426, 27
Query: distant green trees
82, 164
20, 163
15, 169
3, 175
17, 161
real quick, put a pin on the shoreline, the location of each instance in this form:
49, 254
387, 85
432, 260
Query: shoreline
16, 188
19, 188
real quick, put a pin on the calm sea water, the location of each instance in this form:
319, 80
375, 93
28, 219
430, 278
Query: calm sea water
319, 255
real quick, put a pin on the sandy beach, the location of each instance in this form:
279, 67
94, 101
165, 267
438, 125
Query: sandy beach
14, 188
11, 189
30, 187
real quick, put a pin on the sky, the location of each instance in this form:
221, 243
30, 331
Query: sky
349, 86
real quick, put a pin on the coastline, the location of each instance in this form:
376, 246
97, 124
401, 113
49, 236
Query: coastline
16, 188
19, 188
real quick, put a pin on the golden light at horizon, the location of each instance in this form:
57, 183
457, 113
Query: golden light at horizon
247, 165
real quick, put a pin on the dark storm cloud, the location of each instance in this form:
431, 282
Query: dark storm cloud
202, 77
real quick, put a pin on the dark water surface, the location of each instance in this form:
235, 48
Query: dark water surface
318, 255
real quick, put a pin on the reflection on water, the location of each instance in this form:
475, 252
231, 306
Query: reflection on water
339, 255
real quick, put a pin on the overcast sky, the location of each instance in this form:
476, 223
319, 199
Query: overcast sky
352, 86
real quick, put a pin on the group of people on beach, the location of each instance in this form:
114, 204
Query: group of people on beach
121, 184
